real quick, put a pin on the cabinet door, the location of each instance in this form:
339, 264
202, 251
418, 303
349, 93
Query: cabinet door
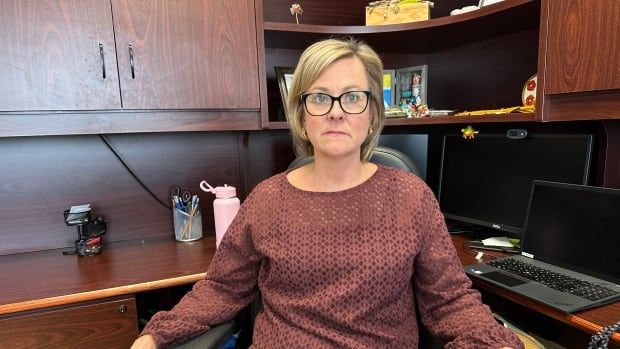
583, 46
187, 54
112, 324
50, 55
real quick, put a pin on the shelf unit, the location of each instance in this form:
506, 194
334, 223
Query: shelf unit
477, 60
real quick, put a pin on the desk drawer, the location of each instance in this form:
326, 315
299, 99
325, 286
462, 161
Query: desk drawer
106, 324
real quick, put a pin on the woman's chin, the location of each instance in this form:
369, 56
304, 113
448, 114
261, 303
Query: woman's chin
339, 152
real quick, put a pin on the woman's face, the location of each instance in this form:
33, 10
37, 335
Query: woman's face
337, 133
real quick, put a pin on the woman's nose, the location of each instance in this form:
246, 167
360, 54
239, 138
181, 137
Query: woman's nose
336, 113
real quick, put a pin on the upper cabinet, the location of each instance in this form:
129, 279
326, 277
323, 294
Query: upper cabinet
583, 46
581, 59
57, 55
184, 54
478, 60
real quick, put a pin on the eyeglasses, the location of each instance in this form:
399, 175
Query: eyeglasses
351, 102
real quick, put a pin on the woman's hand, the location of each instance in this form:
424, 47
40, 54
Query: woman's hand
144, 342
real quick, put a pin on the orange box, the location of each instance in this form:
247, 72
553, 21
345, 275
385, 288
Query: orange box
397, 13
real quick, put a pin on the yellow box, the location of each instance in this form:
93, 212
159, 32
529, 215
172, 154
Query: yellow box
397, 13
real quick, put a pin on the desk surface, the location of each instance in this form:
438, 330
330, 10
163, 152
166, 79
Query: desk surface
43, 279
590, 320
39, 280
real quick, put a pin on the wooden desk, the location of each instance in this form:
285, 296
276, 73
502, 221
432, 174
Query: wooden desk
47, 289
55, 288
590, 321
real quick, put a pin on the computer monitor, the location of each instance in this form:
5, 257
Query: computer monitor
485, 181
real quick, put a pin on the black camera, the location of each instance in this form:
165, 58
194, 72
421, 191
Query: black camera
516, 133
89, 232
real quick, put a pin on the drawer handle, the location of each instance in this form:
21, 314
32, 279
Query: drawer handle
102, 59
122, 308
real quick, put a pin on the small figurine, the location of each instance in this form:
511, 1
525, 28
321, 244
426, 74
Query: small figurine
422, 111
469, 132
296, 10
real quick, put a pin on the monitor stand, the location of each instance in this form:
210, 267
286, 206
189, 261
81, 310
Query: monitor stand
478, 234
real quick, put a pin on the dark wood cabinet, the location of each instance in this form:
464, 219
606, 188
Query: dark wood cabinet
187, 54
105, 324
190, 54
581, 60
583, 46
52, 56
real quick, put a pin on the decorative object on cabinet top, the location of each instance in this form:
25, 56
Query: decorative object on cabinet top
397, 11
458, 11
508, 110
528, 96
411, 87
296, 11
488, 2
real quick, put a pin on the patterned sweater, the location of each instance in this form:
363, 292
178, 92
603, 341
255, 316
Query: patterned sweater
335, 270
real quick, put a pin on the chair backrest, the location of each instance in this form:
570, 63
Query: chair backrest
380, 155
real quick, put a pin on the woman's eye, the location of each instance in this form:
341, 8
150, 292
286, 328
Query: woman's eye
351, 97
320, 98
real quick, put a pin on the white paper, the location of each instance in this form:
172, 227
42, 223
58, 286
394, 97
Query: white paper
79, 208
497, 241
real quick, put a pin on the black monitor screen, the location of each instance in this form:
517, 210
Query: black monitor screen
576, 227
486, 181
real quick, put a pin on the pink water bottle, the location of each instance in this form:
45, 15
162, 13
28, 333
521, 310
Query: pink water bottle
225, 207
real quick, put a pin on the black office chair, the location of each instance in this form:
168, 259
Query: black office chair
380, 155
216, 337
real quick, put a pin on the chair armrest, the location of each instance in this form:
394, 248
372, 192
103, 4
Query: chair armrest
214, 338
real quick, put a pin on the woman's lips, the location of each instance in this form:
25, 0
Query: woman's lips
335, 133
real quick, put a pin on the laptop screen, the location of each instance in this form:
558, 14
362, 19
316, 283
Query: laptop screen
576, 227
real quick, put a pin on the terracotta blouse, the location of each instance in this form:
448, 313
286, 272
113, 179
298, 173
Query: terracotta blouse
335, 271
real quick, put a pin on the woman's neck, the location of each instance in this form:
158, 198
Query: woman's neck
327, 175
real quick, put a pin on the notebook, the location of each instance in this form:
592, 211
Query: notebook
570, 230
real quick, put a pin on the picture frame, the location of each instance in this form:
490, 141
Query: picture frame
389, 84
411, 85
284, 76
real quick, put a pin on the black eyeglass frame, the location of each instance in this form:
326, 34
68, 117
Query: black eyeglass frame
333, 99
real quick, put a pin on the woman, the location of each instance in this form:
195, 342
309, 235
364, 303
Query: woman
334, 245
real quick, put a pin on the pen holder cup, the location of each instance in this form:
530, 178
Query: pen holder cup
187, 227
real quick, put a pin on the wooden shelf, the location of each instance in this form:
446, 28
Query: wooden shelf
476, 60
492, 20
514, 117
440, 120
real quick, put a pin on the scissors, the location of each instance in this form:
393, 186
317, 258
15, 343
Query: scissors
180, 195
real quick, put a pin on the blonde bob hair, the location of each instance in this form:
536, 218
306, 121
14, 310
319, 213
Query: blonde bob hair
313, 61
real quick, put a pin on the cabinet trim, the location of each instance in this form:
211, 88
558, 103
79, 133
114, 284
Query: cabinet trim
61, 123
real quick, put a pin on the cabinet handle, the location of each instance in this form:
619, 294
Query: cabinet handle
122, 308
133, 71
102, 59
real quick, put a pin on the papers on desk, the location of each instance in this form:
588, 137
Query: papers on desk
79, 208
497, 241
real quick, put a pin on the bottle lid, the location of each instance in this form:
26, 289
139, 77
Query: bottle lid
220, 192
225, 192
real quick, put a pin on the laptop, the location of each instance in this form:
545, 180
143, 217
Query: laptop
569, 249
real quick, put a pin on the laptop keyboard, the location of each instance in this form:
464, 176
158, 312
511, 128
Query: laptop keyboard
554, 280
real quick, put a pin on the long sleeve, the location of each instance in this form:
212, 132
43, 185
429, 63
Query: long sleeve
228, 287
448, 305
